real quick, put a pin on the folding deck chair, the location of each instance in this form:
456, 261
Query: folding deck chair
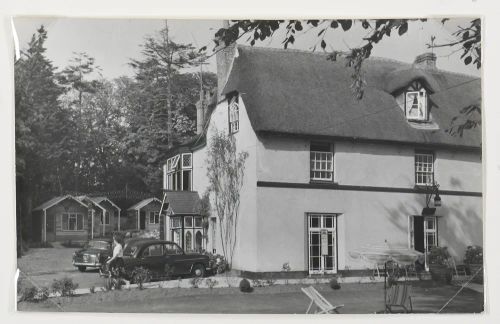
322, 305
399, 296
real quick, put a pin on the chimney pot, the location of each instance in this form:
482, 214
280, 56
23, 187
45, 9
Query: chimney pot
426, 61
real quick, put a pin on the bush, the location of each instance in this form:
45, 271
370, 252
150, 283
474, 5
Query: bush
245, 286
211, 283
473, 255
334, 284
195, 282
140, 276
64, 286
439, 255
217, 262
35, 295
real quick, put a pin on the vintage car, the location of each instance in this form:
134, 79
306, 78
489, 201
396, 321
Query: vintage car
93, 254
162, 260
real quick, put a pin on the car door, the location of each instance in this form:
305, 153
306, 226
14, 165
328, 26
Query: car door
152, 258
174, 257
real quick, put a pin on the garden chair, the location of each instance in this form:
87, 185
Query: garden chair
322, 305
399, 296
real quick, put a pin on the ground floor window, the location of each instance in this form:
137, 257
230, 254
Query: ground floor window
72, 222
322, 243
188, 232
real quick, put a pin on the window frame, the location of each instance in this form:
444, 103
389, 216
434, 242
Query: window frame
233, 110
156, 217
176, 171
422, 102
107, 220
424, 173
329, 162
71, 215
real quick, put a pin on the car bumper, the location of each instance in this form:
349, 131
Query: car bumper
86, 264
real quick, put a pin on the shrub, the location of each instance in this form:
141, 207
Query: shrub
195, 282
334, 284
257, 283
140, 276
35, 295
211, 283
217, 262
92, 289
245, 286
439, 255
473, 255
64, 286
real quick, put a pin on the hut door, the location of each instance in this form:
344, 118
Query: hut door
51, 228
143, 220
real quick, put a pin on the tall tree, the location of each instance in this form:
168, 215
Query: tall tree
160, 103
37, 111
80, 84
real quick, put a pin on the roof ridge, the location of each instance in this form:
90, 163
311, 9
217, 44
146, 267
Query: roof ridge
372, 58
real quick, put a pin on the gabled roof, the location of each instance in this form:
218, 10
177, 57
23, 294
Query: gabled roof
302, 93
183, 202
143, 203
56, 200
99, 200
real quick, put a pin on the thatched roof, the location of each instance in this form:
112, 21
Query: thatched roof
302, 93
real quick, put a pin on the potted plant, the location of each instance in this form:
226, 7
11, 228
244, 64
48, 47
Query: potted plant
474, 261
439, 264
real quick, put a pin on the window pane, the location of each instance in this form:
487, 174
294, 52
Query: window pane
197, 222
80, 222
329, 221
314, 221
188, 221
72, 222
65, 221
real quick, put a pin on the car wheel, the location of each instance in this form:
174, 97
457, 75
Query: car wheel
198, 270
82, 268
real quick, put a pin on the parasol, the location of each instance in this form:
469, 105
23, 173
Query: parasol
380, 254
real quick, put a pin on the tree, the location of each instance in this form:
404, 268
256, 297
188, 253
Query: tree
37, 110
225, 172
467, 39
159, 103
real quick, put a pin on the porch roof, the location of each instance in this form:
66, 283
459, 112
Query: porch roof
144, 203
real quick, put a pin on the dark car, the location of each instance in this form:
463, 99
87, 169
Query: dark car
93, 254
162, 259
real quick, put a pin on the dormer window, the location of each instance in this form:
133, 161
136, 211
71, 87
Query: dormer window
416, 105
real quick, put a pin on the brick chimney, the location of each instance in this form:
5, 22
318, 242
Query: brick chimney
224, 58
425, 61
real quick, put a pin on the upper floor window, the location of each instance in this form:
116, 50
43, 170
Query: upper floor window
178, 172
321, 161
424, 168
416, 104
234, 115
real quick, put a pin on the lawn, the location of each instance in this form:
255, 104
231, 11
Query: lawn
279, 299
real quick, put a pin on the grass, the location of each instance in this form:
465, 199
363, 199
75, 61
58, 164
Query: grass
284, 299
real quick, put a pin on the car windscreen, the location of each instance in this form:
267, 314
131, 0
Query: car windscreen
99, 245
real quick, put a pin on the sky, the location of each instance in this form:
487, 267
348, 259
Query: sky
114, 42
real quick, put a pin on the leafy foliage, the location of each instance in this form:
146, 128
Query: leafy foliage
225, 171
64, 286
34, 295
473, 255
439, 255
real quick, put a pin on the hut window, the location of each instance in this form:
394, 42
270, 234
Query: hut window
424, 168
154, 217
105, 220
72, 222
